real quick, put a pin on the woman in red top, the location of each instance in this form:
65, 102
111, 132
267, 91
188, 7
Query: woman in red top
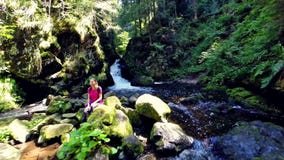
95, 97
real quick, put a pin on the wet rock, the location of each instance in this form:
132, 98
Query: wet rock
133, 99
19, 130
8, 152
199, 151
98, 155
132, 147
170, 138
142, 81
192, 99
148, 156
249, 140
152, 107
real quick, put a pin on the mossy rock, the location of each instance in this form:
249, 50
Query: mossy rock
59, 105
152, 107
113, 122
52, 131
142, 81
247, 98
112, 101
132, 146
131, 114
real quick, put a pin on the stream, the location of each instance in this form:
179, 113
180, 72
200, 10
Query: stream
202, 117
199, 115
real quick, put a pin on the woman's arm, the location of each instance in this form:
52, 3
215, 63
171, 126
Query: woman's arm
88, 101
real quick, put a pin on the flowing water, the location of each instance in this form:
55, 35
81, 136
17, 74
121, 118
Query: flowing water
122, 86
200, 115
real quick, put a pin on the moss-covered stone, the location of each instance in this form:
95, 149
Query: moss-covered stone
247, 98
152, 107
114, 122
169, 137
132, 146
59, 105
142, 81
112, 101
52, 131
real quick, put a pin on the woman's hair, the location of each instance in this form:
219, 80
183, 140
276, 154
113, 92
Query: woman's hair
94, 79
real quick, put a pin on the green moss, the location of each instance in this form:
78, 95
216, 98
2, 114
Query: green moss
247, 98
132, 146
239, 92
147, 110
112, 101
36, 119
111, 121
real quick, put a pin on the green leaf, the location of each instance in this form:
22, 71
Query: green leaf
113, 150
274, 70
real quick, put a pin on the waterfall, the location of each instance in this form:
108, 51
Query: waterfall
121, 83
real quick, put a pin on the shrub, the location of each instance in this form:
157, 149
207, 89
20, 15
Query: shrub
85, 141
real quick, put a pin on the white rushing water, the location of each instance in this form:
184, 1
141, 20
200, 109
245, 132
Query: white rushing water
121, 83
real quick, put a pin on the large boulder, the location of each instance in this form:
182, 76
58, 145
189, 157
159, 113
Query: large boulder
52, 131
19, 130
114, 122
8, 152
252, 140
152, 107
47, 120
169, 137
112, 101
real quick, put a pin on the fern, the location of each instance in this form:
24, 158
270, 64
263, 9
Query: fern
274, 70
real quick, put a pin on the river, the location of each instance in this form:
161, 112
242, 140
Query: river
200, 114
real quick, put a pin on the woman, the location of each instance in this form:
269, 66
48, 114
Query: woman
95, 97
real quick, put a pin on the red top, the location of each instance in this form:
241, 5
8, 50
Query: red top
94, 94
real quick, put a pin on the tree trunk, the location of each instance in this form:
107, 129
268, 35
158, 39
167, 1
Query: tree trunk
195, 9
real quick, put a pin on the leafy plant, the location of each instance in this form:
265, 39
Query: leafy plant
5, 135
83, 142
9, 92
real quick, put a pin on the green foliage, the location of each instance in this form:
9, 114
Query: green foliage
5, 135
36, 119
100, 77
10, 94
246, 98
251, 53
59, 105
83, 142
6, 32
121, 42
